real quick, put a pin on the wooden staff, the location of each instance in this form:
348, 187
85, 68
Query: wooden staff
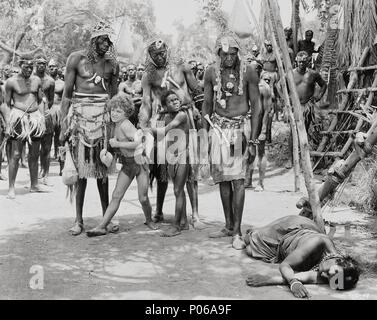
303, 138
288, 107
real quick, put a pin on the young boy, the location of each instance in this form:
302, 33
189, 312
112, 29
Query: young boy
129, 141
176, 133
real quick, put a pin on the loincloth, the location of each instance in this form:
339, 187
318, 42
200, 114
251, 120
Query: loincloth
229, 162
89, 123
26, 126
308, 110
131, 168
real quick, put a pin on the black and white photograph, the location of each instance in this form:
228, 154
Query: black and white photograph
205, 151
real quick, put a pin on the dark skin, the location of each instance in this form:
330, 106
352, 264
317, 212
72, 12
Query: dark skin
24, 92
48, 88
182, 76
306, 80
78, 71
298, 264
307, 44
59, 88
233, 193
177, 120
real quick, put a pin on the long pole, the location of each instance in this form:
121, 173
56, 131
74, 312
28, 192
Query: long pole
288, 106
303, 138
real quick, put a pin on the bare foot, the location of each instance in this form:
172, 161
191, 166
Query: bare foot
249, 186
259, 188
3, 177
185, 226
46, 182
38, 189
151, 225
171, 232
96, 232
11, 194
77, 229
113, 227
221, 234
198, 225
158, 218
238, 243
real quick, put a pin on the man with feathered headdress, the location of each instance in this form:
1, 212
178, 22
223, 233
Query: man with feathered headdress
25, 121
232, 108
160, 76
90, 80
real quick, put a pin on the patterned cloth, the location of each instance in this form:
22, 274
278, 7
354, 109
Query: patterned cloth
89, 123
229, 161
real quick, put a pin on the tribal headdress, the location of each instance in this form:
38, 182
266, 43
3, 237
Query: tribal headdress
154, 43
52, 62
226, 40
102, 29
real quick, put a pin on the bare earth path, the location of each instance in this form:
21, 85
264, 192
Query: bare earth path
137, 263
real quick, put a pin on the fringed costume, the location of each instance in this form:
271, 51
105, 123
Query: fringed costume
26, 126
90, 128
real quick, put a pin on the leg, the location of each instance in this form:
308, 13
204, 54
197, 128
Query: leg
192, 190
180, 217
14, 148
46, 144
121, 187
2, 177
142, 187
23, 156
34, 148
262, 164
226, 193
103, 190
249, 172
56, 141
238, 206
80, 196
161, 192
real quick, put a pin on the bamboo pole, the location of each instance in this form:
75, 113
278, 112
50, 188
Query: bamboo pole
288, 106
303, 138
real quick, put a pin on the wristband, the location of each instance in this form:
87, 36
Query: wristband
293, 282
254, 142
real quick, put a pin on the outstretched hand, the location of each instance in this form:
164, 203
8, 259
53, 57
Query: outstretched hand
299, 290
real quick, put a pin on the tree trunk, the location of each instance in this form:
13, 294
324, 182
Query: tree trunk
295, 23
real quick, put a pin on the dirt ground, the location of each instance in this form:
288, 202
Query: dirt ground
139, 264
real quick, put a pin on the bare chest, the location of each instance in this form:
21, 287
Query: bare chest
25, 86
102, 68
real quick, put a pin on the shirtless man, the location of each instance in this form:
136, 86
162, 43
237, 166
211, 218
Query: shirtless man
308, 45
140, 71
268, 59
132, 87
306, 80
231, 94
157, 79
267, 110
25, 122
48, 88
56, 108
90, 80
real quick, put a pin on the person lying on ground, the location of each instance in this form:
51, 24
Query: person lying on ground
305, 255
129, 141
